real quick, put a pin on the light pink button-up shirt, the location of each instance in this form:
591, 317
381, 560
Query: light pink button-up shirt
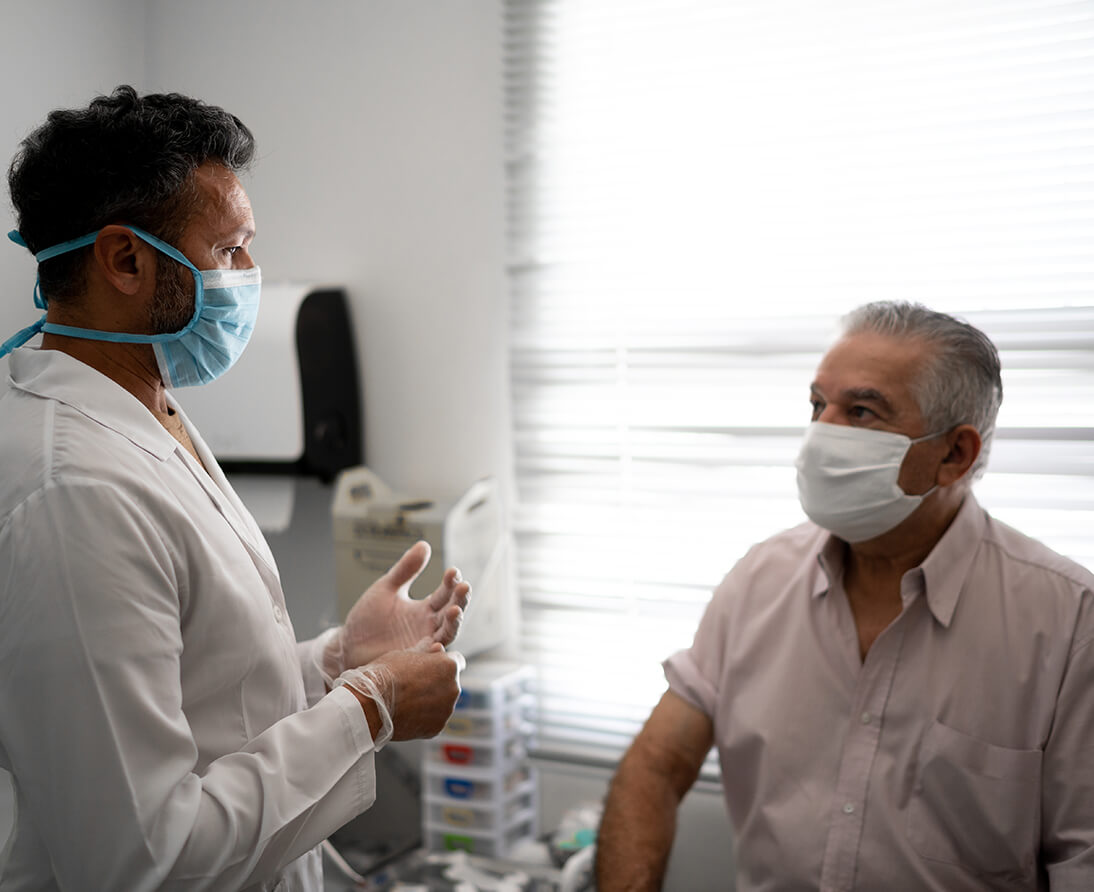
958, 756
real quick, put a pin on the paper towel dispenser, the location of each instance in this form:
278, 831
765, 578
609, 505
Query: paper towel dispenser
291, 404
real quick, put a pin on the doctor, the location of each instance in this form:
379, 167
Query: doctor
163, 727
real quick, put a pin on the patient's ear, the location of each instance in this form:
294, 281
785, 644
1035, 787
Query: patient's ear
965, 445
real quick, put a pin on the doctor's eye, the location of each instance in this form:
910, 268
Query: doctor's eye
818, 407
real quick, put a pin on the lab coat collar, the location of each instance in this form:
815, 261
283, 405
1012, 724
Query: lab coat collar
52, 374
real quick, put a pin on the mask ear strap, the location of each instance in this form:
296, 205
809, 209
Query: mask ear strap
926, 437
21, 337
71, 245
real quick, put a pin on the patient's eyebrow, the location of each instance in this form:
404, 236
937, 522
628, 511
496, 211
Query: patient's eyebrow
857, 395
866, 395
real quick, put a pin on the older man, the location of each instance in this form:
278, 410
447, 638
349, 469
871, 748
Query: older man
899, 690
162, 725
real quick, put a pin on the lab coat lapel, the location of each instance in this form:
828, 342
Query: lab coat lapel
231, 506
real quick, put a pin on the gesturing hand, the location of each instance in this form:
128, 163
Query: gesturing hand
386, 618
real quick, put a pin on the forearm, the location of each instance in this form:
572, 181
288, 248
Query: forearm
264, 806
638, 827
372, 712
639, 822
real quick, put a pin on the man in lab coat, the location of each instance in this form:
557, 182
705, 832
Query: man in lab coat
162, 725
900, 689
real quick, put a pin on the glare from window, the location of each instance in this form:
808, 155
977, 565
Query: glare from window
697, 192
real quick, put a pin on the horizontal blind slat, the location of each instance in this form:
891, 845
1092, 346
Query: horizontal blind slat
695, 193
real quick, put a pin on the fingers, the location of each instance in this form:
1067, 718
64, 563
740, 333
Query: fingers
462, 595
450, 582
448, 624
428, 682
407, 568
427, 645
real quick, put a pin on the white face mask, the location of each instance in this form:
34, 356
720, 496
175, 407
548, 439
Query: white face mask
847, 479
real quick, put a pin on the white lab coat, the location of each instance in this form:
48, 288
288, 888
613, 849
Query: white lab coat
152, 693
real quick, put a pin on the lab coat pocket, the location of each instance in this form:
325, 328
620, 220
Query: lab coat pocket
977, 805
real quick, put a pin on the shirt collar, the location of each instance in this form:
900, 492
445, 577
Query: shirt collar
52, 374
941, 575
946, 567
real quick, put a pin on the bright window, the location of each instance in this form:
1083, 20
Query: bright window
697, 191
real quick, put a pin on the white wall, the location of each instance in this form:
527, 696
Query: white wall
56, 54
380, 139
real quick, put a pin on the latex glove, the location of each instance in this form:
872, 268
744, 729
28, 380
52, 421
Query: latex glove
414, 690
386, 618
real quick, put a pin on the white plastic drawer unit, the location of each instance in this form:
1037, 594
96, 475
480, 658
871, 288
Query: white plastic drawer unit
464, 786
480, 792
470, 753
476, 842
479, 815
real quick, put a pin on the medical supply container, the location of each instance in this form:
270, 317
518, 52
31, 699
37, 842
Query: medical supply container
479, 788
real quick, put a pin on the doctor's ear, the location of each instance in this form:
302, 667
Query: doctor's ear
125, 261
965, 444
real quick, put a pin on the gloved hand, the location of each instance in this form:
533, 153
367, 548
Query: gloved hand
414, 690
386, 618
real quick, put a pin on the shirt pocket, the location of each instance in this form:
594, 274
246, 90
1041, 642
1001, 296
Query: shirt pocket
976, 804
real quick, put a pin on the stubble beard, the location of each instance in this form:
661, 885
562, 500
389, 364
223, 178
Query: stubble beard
174, 301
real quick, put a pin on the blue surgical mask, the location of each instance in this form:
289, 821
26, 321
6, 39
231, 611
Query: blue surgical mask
225, 309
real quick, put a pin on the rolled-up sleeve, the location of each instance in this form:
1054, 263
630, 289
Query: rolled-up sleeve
693, 673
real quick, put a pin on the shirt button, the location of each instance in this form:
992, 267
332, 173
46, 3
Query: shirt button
277, 613
865, 718
849, 808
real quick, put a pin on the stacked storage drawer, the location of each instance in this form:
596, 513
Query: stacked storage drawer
479, 788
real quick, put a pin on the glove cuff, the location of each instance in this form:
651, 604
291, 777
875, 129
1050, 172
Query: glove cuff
368, 681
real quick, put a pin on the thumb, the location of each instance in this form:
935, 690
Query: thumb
407, 568
427, 645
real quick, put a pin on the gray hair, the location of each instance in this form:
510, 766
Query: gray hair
960, 381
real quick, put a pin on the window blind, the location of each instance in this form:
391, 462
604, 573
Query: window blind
696, 192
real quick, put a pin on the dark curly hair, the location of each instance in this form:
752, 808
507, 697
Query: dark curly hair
124, 159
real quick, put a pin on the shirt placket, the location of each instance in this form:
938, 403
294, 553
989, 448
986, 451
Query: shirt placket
861, 741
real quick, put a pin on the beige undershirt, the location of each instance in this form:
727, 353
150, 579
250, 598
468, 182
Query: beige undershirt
172, 423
